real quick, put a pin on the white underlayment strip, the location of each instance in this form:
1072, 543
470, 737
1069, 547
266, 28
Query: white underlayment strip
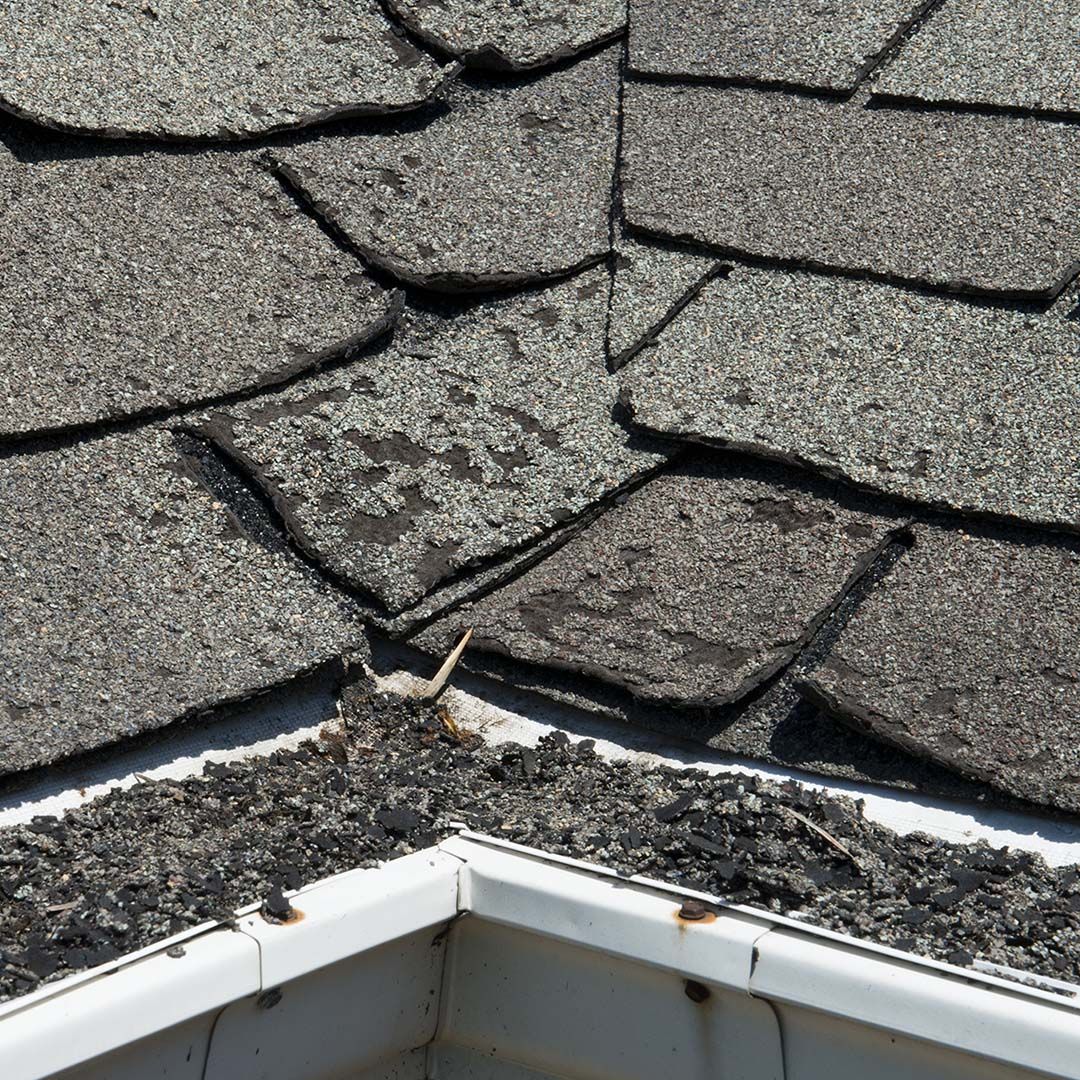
501, 714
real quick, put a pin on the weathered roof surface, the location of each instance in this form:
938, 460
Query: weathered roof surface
511, 184
135, 282
945, 400
516, 36
475, 431
968, 654
953, 200
827, 46
1021, 55
133, 599
694, 591
211, 70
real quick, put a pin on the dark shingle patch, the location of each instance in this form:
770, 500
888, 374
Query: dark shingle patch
512, 36
968, 654
211, 70
804, 42
956, 201
135, 282
476, 431
652, 283
513, 184
1020, 55
949, 401
132, 600
705, 582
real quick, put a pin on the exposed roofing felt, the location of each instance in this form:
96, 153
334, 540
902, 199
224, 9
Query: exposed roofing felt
945, 400
140, 281
513, 36
1020, 55
694, 591
829, 46
954, 200
132, 599
475, 431
511, 184
968, 653
214, 69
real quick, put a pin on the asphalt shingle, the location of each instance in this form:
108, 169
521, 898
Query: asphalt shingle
142, 281
805, 42
694, 591
945, 400
514, 36
958, 201
477, 430
1020, 55
133, 599
967, 653
512, 184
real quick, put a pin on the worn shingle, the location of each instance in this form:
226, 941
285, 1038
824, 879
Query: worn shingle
477, 430
945, 400
967, 653
511, 36
1020, 55
705, 582
827, 46
512, 184
134, 282
958, 201
132, 599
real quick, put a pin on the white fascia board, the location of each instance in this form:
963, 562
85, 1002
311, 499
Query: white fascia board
355, 911
122, 1005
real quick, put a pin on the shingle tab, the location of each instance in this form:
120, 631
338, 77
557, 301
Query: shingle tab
701, 585
958, 201
805, 42
949, 401
513, 184
1020, 55
514, 36
475, 432
967, 653
132, 600
134, 282
210, 70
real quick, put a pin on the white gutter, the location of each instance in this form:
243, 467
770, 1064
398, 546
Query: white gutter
426, 1010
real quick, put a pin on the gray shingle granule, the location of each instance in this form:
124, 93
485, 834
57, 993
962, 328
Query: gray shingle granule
477, 430
511, 36
216, 69
513, 184
964, 202
142, 281
827, 46
133, 600
1020, 55
947, 401
700, 586
153, 860
968, 653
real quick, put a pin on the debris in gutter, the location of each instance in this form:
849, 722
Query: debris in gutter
434, 688
822, 833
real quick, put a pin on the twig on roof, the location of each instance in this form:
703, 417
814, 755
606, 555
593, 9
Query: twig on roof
442, 676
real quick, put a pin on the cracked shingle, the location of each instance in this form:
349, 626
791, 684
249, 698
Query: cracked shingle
476, 431
945, 400
967, 653
132, 599
142, 281
512, 184
827, 46
512, 37
694, 591
1021, 55
958, 201
210, 70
